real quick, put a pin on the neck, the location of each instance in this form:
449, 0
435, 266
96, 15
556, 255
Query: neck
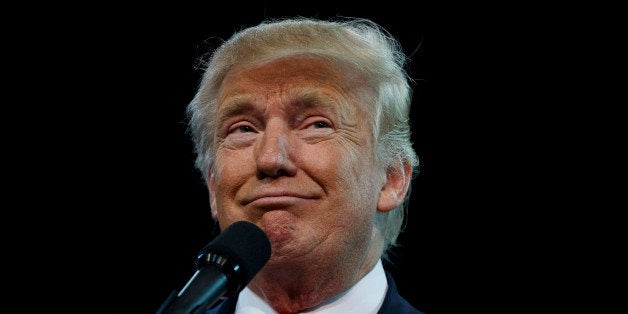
298, 285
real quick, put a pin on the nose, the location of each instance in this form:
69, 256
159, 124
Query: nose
274, 153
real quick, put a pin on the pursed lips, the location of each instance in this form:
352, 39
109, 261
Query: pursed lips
276, 197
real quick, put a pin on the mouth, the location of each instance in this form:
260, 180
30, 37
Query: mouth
276, 199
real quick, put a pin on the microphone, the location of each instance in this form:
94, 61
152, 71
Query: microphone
224, 267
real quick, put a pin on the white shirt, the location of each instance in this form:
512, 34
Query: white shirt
366, 296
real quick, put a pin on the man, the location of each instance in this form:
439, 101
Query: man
301, 127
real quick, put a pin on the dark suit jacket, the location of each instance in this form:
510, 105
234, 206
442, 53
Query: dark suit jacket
393, 303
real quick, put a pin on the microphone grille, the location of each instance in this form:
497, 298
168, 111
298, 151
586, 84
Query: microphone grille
244, 244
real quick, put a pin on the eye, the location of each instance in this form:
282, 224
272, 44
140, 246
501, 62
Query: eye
244, 128
316, 128
241, 128
320, 124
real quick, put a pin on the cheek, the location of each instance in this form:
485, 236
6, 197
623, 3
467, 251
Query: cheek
231, 171
357, 197
356, 175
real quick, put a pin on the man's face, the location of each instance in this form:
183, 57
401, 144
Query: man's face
294, 155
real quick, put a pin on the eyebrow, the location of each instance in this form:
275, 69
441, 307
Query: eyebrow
312, 98
234, 106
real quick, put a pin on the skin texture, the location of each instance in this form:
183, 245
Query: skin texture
294, 155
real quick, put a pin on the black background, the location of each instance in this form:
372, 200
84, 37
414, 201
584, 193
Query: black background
120, 211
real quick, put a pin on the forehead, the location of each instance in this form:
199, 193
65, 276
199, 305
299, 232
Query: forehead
305, 74
302, 65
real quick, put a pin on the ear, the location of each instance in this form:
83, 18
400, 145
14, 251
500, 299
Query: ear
395, 188
211, 182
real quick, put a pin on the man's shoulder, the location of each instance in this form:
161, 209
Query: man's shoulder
394, 303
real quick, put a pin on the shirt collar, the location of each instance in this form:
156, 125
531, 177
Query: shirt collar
366, 296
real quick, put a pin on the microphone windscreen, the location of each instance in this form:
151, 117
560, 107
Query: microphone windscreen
245, 244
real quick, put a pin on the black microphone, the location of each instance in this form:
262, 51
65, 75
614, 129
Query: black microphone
224, 267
